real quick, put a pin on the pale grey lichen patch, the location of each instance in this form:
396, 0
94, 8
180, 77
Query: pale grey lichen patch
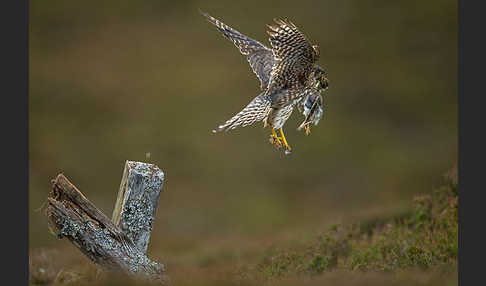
138, 216
137, 221
102, 237
140, 264
153, 176
69, 228
140, 188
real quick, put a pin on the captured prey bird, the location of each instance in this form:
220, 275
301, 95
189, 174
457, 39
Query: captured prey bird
289, 78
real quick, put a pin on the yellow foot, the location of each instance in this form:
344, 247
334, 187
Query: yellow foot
307, 130
286, 145
280, 141
306, 126
275, 140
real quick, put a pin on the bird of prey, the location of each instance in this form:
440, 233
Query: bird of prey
289, 78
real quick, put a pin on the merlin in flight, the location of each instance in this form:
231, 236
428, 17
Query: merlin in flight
289, 78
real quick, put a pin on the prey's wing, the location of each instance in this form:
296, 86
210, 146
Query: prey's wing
311, 108
260, 57
295, 57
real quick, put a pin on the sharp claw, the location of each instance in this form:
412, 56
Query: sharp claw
279, 142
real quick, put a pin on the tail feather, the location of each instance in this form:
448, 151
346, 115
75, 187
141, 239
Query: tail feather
255, 111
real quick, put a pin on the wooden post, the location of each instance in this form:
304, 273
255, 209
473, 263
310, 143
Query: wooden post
118, 245
137, 201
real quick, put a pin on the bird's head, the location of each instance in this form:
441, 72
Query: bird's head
321, 81
315, 48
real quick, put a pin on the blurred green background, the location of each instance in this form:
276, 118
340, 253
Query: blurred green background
114, 80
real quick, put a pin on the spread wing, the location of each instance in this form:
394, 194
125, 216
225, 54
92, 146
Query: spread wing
260, 57
295, 58
255, 111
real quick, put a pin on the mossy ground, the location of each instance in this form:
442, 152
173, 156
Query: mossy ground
423, 238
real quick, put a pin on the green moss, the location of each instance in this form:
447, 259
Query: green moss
422, 237
281, 264
318, 264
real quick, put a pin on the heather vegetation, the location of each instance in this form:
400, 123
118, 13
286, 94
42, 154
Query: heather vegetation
424, 237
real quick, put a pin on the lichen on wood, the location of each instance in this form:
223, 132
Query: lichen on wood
137, 201
71, 215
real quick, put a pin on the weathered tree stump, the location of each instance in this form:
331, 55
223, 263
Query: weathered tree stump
114, 246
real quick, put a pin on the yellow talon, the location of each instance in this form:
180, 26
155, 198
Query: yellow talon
274, 139
279, 141
286, 145
274, 134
